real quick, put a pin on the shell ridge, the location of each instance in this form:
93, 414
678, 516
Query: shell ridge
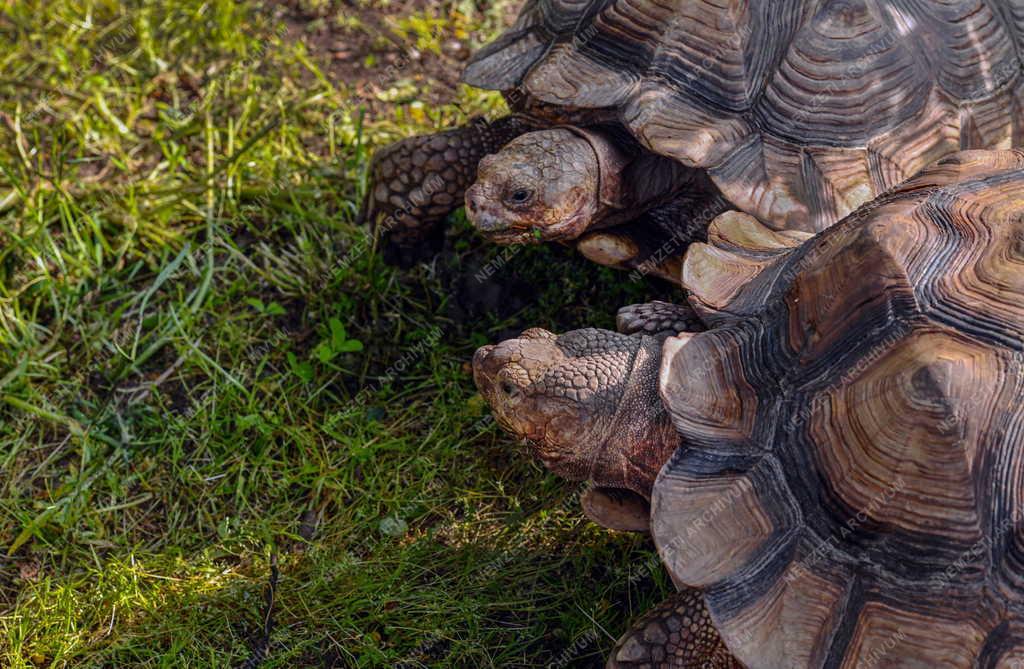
842, 631
819, 190
803, 103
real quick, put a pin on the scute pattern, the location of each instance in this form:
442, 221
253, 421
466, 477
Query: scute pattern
802, 110
847, 77
851, 487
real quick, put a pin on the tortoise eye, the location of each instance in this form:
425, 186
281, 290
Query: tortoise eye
519, 196
509, 388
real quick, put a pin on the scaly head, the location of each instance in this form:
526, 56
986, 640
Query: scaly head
547, 185
587, 401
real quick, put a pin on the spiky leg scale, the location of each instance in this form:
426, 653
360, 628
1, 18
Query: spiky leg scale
677, 634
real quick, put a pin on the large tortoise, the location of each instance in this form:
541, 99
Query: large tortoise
672, 111
837, 462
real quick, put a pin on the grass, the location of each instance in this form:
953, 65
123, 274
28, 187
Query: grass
204, 369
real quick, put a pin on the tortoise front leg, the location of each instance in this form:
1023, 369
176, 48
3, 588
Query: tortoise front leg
676, 634
653, 318
417, 182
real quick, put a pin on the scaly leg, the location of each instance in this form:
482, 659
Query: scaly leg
655, 318
677, 634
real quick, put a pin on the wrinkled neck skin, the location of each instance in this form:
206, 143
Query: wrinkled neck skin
611, 158
586, 401
632, 180
639, 438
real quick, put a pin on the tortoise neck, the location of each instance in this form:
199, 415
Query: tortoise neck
640, 437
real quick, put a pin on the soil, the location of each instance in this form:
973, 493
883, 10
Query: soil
343, 53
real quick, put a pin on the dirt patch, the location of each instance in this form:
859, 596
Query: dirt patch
372, 58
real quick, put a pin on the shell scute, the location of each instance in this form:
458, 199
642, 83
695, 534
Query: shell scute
848, 76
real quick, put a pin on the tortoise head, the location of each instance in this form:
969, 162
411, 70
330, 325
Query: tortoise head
543, 186
587, 401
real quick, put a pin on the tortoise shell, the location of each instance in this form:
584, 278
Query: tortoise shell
801, 110
851, 484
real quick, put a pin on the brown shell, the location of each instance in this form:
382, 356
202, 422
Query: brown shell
851, 486
802, 110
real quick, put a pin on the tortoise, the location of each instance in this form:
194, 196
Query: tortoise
636, 122
836, 465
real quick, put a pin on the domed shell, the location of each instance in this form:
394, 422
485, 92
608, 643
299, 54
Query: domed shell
851, 484
801, 110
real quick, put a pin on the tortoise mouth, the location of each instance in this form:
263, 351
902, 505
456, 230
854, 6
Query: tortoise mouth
508, 234
501, 231
505, 227
489, 224
517, 239
511, 235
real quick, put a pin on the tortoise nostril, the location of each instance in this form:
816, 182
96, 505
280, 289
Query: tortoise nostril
472, 201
